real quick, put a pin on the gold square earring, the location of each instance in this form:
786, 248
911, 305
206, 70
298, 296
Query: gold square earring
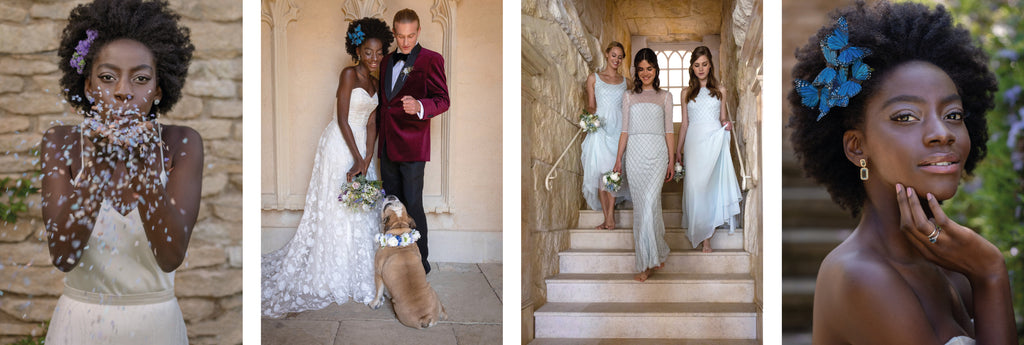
863, 170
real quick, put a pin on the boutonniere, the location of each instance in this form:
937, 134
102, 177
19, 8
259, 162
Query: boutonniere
406, 71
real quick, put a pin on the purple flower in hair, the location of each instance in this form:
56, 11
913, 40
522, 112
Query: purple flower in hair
81, 50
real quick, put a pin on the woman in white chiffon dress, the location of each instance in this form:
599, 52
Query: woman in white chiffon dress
120, 192
330, 257
604, 98
711, 195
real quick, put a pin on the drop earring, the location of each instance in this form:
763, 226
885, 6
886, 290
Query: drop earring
863, 170
156, 101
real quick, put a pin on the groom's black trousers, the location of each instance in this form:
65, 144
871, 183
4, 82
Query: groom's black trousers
405, 180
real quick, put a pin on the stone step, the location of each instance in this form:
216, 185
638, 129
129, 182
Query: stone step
589, 219
647, 320
793, 173
797, 303
803, 249
624, 218
640, 341
669, 201
660, 288
812, 207
623, 261
623, 239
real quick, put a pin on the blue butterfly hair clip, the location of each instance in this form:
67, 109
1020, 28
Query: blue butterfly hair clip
357, 36
844, 71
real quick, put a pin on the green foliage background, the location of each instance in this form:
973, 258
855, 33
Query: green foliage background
992, 202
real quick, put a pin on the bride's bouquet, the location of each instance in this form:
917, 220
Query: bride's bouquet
680, 172
361, 194
612, 181
589, 122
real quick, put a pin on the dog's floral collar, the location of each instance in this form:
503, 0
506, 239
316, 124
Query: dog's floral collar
389, 240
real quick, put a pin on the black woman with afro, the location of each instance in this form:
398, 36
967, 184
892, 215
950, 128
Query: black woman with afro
120, 191
889, 104
330, 257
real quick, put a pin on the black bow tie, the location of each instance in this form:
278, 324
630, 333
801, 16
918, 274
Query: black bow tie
400, 57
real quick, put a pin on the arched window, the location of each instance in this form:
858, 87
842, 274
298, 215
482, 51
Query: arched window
675, 74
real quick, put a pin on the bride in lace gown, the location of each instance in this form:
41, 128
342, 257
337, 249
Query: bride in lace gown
330, 257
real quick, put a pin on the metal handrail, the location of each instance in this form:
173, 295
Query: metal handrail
739, 151
552, 174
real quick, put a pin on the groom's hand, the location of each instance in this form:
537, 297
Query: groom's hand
410, 105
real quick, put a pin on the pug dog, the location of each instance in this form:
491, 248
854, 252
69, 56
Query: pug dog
397, 267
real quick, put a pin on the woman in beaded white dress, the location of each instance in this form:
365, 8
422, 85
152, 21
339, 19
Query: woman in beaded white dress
604, 98
646, 141
330, 257
711, 195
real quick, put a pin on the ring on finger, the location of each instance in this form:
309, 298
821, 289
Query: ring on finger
934, 236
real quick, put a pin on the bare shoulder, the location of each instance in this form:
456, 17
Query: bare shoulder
721, 89
591, 79
57, 137
348, 74
849, 268
182, 139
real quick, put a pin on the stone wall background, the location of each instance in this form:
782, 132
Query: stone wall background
209, 282
554, 71
741, 52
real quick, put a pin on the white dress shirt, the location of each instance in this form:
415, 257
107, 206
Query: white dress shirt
395, 72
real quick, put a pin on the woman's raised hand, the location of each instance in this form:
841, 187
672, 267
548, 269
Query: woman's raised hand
943, 241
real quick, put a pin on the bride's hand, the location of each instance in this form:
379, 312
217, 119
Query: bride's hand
356, 170
671, 171
956, 247
727, 124
618, 166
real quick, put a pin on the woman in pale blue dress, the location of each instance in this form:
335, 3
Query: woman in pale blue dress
604, 98
711, 195
646, 142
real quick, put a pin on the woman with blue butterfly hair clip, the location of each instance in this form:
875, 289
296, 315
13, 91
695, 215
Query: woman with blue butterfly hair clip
889, 106
330, 257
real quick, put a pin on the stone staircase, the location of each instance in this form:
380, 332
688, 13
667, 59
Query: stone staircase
812, 225
696, 299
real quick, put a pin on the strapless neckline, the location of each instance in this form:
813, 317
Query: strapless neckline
367, 93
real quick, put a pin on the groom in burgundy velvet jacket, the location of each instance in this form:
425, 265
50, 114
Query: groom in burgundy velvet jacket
413, 90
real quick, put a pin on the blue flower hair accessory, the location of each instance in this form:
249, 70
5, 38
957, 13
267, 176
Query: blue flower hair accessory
842, 76
82, 49
357, 36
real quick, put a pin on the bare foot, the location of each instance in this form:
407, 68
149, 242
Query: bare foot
659, 267
600, 227
706, 246
642, 276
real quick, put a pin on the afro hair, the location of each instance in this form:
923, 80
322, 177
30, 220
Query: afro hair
895, 33
371, 28
149, 22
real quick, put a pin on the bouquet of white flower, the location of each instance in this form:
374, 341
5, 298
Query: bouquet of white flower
361, 194
589, 122
612, 181
680, 172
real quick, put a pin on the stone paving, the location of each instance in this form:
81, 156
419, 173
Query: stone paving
471, 294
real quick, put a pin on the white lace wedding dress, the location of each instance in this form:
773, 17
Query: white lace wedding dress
330, 258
